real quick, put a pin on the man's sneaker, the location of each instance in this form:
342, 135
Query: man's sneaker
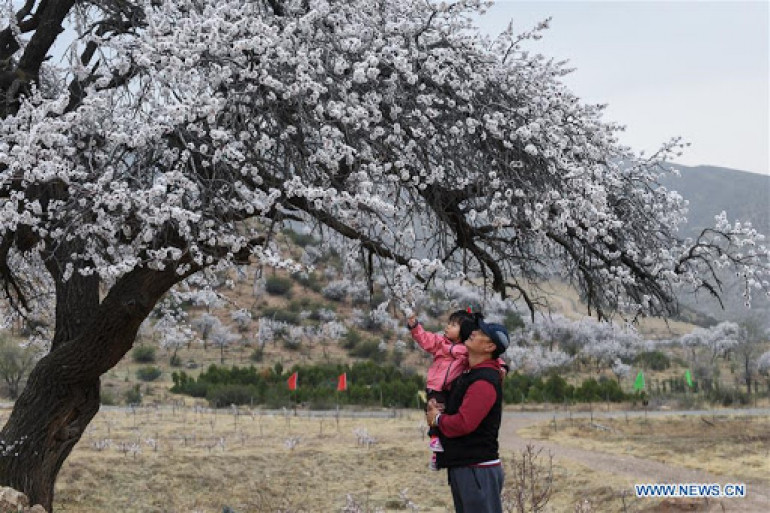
435, 444
432, 465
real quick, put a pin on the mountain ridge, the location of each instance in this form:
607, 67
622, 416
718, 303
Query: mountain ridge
743, 195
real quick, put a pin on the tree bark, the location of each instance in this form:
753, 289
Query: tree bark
62, 393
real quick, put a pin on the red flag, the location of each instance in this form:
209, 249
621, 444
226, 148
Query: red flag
342, 381
292, 381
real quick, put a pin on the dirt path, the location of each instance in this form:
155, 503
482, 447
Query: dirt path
637, 470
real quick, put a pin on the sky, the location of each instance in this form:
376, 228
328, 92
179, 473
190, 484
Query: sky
695, 69
691, 68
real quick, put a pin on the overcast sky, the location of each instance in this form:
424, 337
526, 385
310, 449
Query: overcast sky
692, 68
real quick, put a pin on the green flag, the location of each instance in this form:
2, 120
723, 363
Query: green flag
639, 383
688, 378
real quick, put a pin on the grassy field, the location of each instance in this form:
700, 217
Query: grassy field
721, 445
193, 460
190, 460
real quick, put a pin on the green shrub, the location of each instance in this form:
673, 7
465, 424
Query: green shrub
603, 390
308, 280
175, 361
148, 373
107, 398
298, 305
535, 395
225, 395
277, 285
352, 339
308, 303
280, 399
366, 349
257, 355
556, 389
195, 389
368, 384
292, 344
143, 354
184, 384
133, 395
729, 397
520, 387
654, 360
281, 314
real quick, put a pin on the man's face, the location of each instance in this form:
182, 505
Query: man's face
479, 342
452, 331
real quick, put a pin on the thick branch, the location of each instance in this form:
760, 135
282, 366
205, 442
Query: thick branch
8, 43
48, 29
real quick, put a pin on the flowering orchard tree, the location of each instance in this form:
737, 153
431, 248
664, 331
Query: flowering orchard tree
763, 364
222, 337
719, 339
537, 360
182, 132
620, 369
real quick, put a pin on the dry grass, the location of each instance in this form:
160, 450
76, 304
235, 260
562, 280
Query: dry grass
730, 446
599, 491
204, 461
191, 460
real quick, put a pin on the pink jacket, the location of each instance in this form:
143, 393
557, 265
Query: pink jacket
449, 359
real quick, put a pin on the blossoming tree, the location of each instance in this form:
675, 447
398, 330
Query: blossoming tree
179, 134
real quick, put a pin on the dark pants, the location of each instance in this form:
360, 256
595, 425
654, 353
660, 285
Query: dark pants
476, 489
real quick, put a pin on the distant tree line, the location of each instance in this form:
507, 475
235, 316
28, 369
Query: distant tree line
369, 384
519, 388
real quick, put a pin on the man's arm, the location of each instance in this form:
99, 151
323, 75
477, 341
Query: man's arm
478, 401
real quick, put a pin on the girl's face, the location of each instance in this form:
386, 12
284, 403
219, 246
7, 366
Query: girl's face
452, 331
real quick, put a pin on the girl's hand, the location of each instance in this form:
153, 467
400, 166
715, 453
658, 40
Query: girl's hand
411, 322
437, 405
503, 370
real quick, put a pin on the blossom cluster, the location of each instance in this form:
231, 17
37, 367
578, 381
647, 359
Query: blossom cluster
396, 123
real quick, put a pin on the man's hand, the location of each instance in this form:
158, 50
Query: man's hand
434, 408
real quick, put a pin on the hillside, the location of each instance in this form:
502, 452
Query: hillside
710, 190
745, 197
307, 304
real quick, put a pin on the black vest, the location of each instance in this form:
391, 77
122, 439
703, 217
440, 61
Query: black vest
480, 445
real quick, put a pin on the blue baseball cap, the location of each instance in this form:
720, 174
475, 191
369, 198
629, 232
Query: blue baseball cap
497, 333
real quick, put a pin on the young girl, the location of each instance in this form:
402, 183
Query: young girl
450, 359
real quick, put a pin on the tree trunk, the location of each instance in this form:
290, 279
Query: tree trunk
62, 393
13, 387
747, 370
46, 423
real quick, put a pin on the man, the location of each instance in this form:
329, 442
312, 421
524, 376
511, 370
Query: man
469, 425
